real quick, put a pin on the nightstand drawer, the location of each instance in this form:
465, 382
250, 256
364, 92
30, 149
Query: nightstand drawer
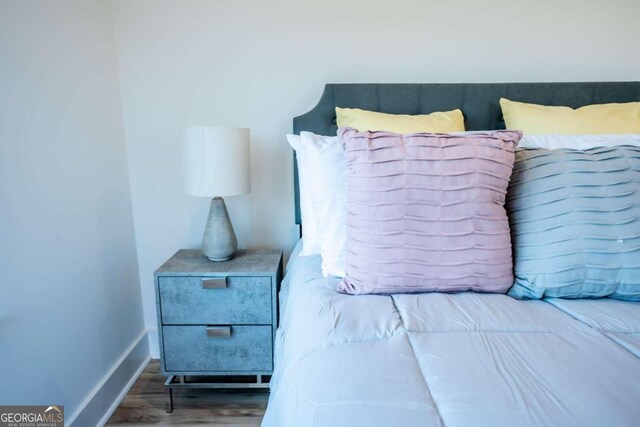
236, 349
215, 300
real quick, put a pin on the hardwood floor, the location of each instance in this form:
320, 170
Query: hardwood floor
144, 405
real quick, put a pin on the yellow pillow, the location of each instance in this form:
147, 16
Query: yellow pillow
438, 122
533, 119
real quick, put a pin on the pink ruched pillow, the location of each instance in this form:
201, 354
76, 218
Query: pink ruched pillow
425, 212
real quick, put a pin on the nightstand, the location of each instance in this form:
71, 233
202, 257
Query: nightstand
217, 319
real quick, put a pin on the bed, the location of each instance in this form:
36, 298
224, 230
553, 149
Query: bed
465, 359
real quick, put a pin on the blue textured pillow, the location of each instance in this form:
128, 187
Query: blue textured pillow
575, 223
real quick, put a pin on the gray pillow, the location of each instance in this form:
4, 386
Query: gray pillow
575, 223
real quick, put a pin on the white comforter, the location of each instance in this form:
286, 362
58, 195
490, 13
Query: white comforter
456, 360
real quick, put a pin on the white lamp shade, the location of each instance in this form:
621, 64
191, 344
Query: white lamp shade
216, 161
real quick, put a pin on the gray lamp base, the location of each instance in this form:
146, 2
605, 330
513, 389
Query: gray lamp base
219, 242
220, 259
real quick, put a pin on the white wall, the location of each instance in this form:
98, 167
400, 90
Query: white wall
258, 64
70, 303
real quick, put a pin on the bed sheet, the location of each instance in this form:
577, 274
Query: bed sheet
441, 359
619, 320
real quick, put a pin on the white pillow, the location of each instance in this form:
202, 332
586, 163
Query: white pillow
577, 142
326, 187
310, 241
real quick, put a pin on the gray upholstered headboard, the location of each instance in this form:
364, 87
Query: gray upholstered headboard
478, 102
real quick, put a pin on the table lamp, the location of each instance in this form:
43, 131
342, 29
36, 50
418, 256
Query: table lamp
216, 165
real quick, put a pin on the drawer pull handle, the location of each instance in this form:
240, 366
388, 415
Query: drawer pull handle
219, 331
214, 283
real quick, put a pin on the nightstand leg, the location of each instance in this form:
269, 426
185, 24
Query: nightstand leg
169, 400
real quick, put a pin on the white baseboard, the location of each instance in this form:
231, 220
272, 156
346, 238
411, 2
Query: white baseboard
123, 393
105, 397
